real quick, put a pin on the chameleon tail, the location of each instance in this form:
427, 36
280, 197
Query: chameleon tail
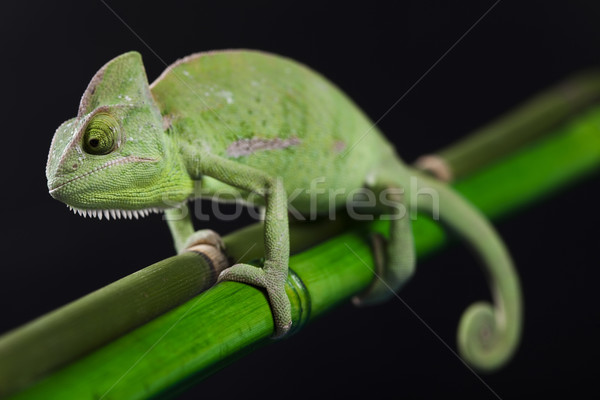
488, 334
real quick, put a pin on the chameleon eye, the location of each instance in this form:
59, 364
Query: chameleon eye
100, 134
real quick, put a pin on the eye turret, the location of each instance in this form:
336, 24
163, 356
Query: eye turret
100, 136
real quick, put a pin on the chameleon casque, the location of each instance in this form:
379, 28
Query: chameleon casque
265, 126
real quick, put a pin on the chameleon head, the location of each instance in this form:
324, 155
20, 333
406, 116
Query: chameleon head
115, 155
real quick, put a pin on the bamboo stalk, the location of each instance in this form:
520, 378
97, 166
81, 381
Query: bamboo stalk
31, 351
73, 330
196, 338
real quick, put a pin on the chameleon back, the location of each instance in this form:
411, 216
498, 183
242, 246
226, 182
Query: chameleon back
271, 113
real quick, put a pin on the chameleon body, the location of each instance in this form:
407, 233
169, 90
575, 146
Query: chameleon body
263, 126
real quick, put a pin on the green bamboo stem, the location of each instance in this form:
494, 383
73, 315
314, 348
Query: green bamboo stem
46, 343
71, 331
196, 338
523, 125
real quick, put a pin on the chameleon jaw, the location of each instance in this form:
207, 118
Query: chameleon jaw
115, 213
120, 161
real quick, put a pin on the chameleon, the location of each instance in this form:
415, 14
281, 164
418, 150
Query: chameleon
265, 127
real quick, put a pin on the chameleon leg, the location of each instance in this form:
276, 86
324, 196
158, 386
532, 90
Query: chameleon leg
488, 334
273, 275
395, 260
182, 230
180, 225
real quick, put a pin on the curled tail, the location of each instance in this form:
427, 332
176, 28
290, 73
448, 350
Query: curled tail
488, 334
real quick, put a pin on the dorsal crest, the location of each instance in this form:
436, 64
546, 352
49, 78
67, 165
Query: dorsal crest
120, 81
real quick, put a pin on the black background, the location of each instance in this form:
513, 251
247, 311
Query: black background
375, 52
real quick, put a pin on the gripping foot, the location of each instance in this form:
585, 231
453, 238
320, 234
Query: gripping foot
270, 279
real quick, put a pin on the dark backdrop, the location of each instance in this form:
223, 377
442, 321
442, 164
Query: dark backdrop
375, 52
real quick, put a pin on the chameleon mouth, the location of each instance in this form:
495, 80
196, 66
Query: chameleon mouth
108, 164
116, 214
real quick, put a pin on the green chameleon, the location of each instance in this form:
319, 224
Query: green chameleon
264, 126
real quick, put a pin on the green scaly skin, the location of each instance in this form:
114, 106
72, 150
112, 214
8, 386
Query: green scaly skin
265, 126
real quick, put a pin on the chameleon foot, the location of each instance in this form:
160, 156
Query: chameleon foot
273, 282
204, 236
378, 291
436, 166
208, 244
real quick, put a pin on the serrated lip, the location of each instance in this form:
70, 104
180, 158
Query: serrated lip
115, 213
118, 161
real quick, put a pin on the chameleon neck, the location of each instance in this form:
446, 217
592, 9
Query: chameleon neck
176, 173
